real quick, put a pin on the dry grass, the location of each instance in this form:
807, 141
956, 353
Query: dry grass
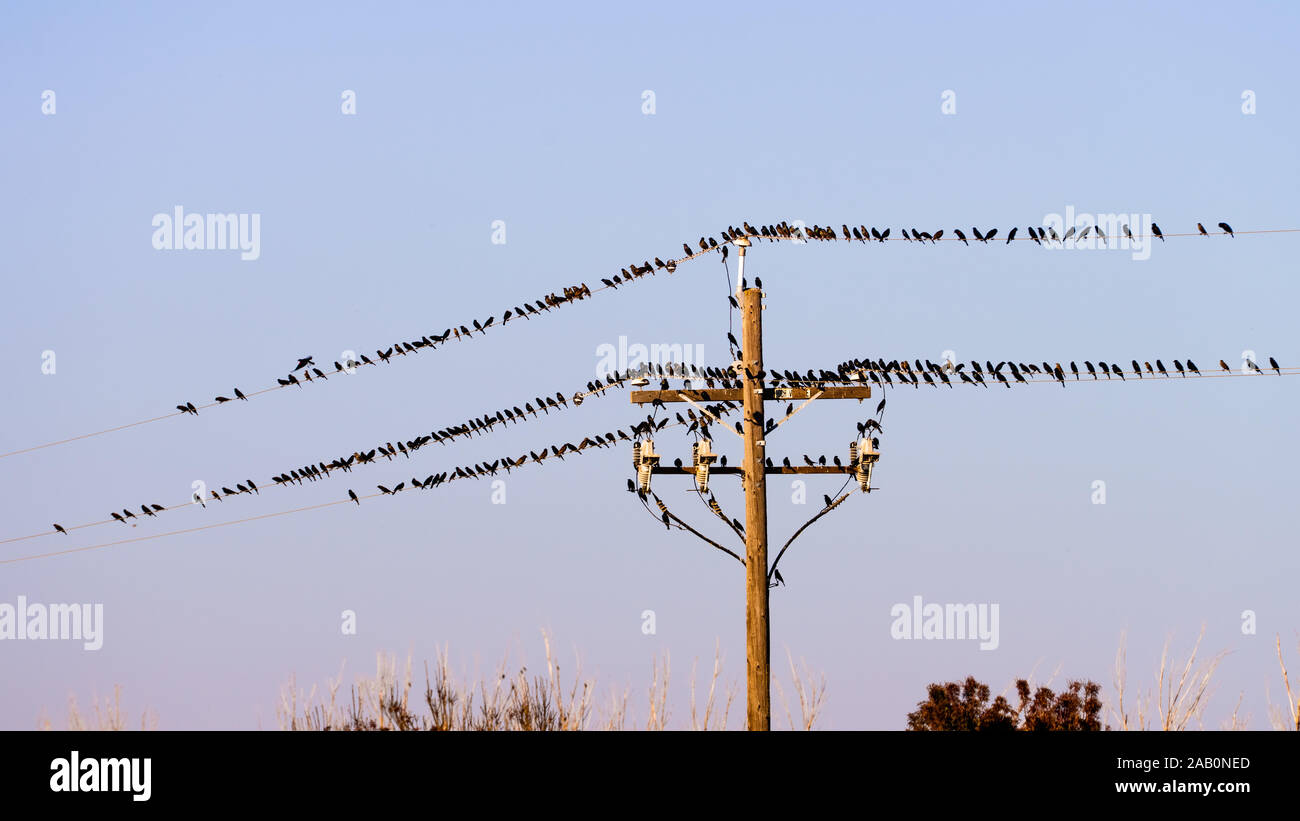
1181, 694
106, 715
1289, 720
811, 690
519, 701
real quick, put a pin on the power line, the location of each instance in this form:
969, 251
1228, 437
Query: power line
572, 294
461, 471
770, 233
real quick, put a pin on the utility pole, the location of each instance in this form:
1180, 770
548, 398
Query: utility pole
757, 633
752, 396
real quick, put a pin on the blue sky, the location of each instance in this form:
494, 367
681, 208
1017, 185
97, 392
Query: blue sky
376, 227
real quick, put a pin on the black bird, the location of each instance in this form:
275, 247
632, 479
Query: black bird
1227, 229
960, 236
304, 362
182, 409
827, 500
1127, 232
1101, 234
1273, 363
221, 399
1075, 370
189, 406
118, 517
1178, 366
1160, 366
977, 234
240, 395
1191, 366
1137, 369
1011, 236
1155, 229
777, 574
60, 529
353, 497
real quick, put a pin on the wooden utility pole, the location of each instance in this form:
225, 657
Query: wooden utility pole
751, 395
757, 635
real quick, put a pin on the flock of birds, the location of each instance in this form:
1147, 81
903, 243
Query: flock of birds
323, 470
879, 371
1046, 234
307, 370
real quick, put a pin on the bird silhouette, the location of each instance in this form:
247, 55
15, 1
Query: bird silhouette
960, 236
1273, 364
60, 529
1227, 229
221, 399
240, 395
1201, 228
304, 362
1011, 236
1155, 229
1224, 365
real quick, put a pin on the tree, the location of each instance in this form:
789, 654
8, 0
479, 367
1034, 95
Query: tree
953, 706
966, 707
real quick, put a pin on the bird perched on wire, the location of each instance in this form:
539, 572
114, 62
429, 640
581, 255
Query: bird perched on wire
1227, 229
